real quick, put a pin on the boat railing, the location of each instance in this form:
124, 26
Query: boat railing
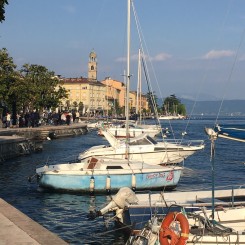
235, 191
184, 142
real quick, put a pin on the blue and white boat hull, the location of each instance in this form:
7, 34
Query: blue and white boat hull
77, 178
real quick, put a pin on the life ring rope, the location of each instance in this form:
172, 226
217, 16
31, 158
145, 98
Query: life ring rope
166, 233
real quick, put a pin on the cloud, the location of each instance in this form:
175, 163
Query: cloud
217, 54
161, 57
158, 57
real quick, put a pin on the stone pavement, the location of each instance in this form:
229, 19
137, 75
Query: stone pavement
17, 228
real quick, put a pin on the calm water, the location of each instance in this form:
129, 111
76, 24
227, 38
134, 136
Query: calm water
66, 214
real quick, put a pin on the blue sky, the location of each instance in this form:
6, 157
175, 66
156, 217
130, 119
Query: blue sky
193, 47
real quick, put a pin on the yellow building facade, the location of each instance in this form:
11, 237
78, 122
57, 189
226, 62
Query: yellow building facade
97, 96
91, 94
115, 89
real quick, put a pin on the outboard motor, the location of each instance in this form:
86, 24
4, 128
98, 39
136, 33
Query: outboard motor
124, 197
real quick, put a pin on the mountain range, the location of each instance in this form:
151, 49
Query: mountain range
215, 107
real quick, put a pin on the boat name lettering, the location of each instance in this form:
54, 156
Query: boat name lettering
156, 175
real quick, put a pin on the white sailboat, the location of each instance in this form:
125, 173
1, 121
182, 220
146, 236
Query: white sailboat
104, 175
143, 147
136, 211
119, 130
101, 172
211, 217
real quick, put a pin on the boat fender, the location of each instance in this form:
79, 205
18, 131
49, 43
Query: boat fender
167, 236
91, 185
133, 182
108, 184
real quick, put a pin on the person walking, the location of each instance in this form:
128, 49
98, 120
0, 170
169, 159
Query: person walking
68, 118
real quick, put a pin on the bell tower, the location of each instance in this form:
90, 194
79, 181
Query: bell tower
92, 66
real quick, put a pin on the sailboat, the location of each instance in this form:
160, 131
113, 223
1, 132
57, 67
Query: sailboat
156, 126
101, 174
139, 210
119, 130
197, 217
135, 128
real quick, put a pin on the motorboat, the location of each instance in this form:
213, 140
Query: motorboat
145, 148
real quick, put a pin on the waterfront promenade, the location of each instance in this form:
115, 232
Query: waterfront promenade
15, 142
17, 228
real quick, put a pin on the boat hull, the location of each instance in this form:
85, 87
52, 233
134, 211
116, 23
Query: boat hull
82, 182
160, 156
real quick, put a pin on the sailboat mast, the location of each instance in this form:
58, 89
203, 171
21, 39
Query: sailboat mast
138, 98
128, 76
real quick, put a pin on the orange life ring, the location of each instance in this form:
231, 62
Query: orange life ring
167, 236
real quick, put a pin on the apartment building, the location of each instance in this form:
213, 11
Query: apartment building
98, 97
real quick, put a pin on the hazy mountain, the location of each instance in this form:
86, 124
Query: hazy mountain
228, 107
200, 97
211, 106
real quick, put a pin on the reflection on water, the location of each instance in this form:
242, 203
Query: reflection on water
66, 214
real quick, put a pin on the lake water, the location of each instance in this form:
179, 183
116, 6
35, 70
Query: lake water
66, 214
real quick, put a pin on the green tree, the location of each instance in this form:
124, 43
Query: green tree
118, 109
75, 104
9, 78
80, 107
2, 9
172, 105
42, 86
33, 87
152, 101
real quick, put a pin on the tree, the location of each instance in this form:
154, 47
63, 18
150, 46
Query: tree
80, 107
2, 9
42, 88
75, 104
9, 77
172, 105
33, 87
152, 101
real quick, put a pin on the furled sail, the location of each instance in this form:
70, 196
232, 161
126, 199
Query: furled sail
232, 132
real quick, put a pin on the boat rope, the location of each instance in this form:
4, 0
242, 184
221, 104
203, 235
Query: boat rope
230, 75
145, 68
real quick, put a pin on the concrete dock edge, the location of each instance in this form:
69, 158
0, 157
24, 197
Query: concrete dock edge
18, 228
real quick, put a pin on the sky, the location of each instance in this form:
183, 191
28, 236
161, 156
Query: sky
193, 48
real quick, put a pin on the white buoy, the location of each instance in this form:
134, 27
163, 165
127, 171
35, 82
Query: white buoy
133, 182
108, 184
91, 185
